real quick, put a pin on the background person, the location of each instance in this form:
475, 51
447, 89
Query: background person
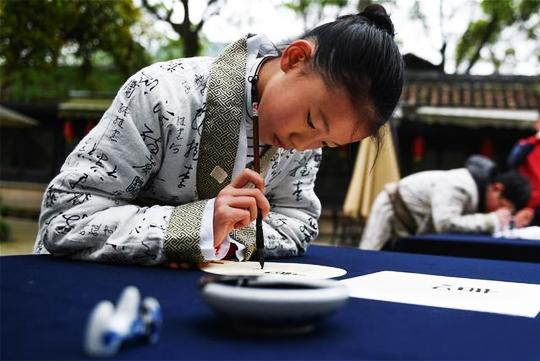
525, 156
473, 199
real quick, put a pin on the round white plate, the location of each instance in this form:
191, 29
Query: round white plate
229, 268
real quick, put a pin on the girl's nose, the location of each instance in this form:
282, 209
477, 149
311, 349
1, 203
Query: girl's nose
307, 141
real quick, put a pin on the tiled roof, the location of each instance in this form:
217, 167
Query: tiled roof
84, 108
465, 91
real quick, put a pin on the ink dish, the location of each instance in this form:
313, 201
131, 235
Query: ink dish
273, 305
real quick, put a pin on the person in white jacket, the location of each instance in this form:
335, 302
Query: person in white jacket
164, 176
474, 199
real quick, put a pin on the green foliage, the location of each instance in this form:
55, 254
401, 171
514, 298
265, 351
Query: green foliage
303, 7
5, 230
528, 8
501, 10
34, 33
35, 85
29, 34
4, 210
174, 49
298, 6
468, 44
486, 32
38, 34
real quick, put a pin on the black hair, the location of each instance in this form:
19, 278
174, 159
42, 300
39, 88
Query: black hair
517, 188
358, 52
483, 170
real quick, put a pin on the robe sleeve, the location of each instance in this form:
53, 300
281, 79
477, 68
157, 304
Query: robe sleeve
91, 210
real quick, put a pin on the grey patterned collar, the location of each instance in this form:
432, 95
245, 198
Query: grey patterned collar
221, 125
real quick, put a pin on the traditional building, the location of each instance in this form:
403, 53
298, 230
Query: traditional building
441, 120
444, 118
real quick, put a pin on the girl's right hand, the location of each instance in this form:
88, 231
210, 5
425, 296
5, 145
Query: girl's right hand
505, 217
523, 218
235, 206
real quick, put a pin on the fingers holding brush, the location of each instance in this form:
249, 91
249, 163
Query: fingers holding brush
235, 207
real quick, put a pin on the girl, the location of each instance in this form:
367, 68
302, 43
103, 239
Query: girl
163, 176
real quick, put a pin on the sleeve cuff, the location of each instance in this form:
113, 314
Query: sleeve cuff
182, 242
495, 222
207, 238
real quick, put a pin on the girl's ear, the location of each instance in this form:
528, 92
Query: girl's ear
495, 188
297, 53
498, 186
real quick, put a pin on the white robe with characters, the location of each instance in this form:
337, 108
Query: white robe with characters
438, 201
125, 182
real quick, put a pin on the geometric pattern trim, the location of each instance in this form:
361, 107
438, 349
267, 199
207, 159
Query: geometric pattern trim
246, 236
221, 124
182, 240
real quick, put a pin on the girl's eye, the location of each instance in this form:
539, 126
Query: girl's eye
309, 122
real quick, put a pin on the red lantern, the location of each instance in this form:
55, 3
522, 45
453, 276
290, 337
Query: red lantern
89, 126
486, 148
418, 148
69, 134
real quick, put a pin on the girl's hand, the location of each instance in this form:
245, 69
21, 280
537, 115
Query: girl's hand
235, 206
505, 217
523, 218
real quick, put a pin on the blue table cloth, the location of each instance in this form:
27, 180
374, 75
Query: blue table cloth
45, 302
474, 246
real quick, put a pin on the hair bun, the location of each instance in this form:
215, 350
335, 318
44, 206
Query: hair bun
378, 16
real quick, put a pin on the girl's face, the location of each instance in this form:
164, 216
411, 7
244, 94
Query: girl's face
494, 200
298, 111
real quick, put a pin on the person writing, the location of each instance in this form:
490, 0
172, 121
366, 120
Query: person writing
525, 156
164, 176
473, 199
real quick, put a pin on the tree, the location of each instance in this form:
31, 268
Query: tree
486, 32
188, 31
305, 7
417, 14
362, 4
313, 11
36, 35
484, 36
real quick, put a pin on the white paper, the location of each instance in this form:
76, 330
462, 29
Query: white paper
250, 268
518, 299
532, 233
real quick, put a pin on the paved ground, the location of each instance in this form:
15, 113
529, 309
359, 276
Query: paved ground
23, 235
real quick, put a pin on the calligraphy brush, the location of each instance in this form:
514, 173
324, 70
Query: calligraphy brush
259, 237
